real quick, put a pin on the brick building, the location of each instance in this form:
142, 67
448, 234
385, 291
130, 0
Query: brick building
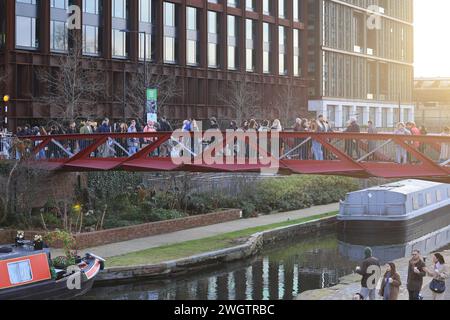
204, 45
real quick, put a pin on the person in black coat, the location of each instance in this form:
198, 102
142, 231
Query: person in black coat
352, 145
368, 290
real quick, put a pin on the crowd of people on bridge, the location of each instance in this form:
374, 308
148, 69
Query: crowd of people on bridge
299, 148
389, 287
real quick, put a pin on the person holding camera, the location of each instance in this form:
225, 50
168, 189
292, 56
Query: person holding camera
440, 274
416, 272
368, 290
390, 285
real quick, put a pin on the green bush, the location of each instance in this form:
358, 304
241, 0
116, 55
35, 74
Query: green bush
164, 214
299, 192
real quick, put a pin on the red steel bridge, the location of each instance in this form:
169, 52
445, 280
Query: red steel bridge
356, 155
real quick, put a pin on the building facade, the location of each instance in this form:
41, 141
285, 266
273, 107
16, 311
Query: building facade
360, 53
204, 45
432, 100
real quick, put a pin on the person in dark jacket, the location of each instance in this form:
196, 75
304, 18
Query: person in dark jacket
368, 289
416, 272
390, 284
352, 144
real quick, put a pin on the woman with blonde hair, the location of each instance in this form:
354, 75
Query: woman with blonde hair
276, 126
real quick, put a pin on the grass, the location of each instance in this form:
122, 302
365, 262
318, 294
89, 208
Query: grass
194, 247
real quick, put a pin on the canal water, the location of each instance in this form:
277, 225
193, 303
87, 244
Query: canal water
280, 272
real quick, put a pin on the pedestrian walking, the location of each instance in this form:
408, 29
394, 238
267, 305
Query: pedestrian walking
133, 143
440, 274
352, 145
317, 150
391, 282
416, 273
401, 153
368, 289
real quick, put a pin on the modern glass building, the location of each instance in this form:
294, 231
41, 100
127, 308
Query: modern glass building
204, 45
360, 53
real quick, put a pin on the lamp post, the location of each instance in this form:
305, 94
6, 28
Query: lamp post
6, 100
145, 61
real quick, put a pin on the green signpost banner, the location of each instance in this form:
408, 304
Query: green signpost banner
151, 108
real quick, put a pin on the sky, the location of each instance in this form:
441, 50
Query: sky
432, 38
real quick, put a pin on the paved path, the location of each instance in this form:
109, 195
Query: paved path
350, 284
121, 248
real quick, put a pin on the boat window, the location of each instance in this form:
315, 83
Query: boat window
438, 196
20, 272
429, 198
416, 204
448, 192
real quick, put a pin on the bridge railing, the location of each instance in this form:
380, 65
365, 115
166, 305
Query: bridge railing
295, 151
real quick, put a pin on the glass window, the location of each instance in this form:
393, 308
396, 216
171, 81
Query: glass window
146, 30
192, 36
20, 272
145, 46
91, 27
233, 3
232, 43
296, 9
439, 197
282, 50
267, 48
145, 11
250, 52
119, 43
281, 9
429, 198
250, 5
90, 39
416, 204
58, 36
119, 23
169, 32
119, 9
27, 24
297, 61
267, 7
26, 32
91, 6
60, 4
213, 39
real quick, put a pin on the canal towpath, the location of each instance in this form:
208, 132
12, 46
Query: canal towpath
125, 247
351, 284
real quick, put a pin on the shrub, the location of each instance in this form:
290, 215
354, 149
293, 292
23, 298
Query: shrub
299, 192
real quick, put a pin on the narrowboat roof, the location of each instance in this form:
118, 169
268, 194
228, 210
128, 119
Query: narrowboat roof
406, 186
18, 251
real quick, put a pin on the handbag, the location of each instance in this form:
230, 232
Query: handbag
437, 286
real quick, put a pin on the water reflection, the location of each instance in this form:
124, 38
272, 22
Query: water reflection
282, 272
354, 250
279, 273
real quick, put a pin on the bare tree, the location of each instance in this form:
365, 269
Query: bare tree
74, 87
287, 105
243, 98
135, 95
9, 175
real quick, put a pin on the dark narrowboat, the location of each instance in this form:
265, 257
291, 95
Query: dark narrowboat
394, 213
28, 274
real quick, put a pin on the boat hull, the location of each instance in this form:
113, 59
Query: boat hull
48, 290
376, 232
